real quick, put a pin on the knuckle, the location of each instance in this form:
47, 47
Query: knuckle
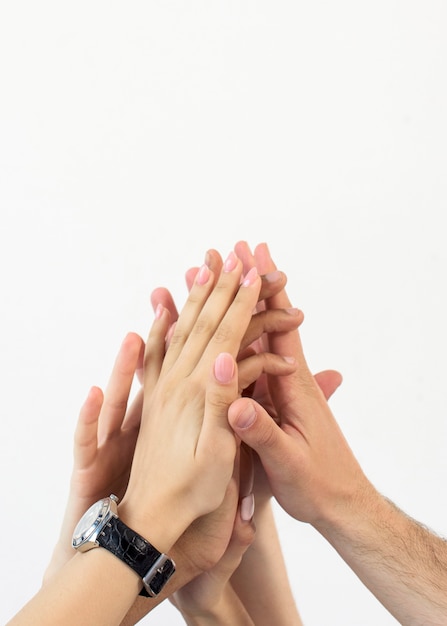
223, 333
202, 326
267, 437
116, 404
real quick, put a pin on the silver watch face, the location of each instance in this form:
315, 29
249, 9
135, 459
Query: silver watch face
89, 522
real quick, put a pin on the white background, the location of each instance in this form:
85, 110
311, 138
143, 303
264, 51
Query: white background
133, 136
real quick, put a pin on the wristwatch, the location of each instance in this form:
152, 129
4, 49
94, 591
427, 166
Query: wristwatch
100, 526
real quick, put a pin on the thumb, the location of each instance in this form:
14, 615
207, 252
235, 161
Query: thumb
256, 428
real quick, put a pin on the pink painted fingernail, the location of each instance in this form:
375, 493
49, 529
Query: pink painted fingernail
230, 262
203, 275
250, 277
247, 507
224, 367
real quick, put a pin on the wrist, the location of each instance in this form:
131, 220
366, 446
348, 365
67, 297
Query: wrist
160, 526
354, 517
102, 527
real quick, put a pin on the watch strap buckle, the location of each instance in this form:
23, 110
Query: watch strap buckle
157, 576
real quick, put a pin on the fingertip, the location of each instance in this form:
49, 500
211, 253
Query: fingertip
263, 258
244, 253
94, 394
132, 342
214, 260
328, 381
132, 336
242, 414
262, 248
92, 405
161, 295
190, 276
155, 298
273, 277
242, 246
338, 381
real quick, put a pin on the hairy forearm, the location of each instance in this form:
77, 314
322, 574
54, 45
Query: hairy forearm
261, 581
403, 563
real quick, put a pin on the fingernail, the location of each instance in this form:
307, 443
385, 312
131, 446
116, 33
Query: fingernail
247, 507
224, 367
158, 311
292, 311
90, 394
230, 262
202, 275
272, 277
247, 417
250, 277
289, 359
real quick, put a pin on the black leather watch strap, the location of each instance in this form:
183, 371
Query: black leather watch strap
138, 554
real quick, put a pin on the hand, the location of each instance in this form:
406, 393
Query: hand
328, 380
310, 467
184, 422
263, 321
104, 443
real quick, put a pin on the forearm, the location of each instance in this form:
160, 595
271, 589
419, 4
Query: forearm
93, 588
261, 581
402, 563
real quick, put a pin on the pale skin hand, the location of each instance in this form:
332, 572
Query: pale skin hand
316, 478
214, 528
104, 444
116, 428
74, 596
107, 428
213, 321
205, 328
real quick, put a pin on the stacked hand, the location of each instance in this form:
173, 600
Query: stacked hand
106, 431
211, 372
